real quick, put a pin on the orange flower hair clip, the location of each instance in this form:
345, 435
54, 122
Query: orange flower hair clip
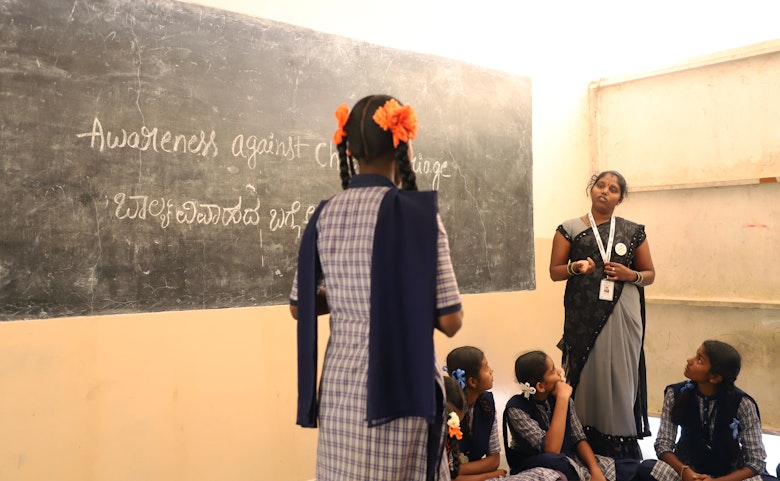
400, 120
453, 426
342, 114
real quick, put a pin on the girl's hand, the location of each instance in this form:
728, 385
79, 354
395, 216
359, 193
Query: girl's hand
691, 475
597, 475
562, 390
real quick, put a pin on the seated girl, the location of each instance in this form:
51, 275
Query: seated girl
720, 424
480, 445
545, 430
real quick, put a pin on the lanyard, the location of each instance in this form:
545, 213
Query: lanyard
605, 254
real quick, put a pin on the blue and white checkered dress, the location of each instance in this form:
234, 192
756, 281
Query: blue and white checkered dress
347, 448
749, 431
535, 435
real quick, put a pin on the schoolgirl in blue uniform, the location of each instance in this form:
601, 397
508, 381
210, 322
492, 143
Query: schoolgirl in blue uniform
545, 430
720, 425
376, 258
480, 443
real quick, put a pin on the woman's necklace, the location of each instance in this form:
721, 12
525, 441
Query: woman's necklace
599, 219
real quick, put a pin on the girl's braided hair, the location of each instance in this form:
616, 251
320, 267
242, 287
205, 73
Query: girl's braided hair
366, 141
456, 401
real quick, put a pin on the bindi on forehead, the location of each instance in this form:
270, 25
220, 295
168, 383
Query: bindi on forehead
610, 179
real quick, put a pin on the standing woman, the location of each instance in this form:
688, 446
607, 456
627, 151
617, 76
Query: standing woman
376, 258
606, 263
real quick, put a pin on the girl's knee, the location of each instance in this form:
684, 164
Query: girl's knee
558, 462
643, 473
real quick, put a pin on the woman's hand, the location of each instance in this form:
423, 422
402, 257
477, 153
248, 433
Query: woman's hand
583, 266
618, 272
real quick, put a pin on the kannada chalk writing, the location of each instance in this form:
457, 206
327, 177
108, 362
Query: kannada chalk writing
281, 218
193, 212
150, 138
188, 212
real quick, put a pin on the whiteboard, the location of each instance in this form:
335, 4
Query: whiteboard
713, 121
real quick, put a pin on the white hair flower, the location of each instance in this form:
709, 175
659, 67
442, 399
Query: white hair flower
527, 389
453, 421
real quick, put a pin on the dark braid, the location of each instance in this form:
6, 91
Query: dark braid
485, 405
726, 362
456, 401
345, 164
453, 455
405, 167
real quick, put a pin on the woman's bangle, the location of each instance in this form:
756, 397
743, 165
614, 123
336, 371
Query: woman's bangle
571, 271
639, 278
684, 467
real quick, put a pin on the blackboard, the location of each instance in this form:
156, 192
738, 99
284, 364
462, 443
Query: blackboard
158, 155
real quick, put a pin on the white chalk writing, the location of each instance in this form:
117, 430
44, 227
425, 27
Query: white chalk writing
189, 212
281, 218
437, 168
252, 146
150, 138
328, 159
326, 156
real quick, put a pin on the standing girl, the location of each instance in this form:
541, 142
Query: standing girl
720, 424
377, 259
605, 261
545, 430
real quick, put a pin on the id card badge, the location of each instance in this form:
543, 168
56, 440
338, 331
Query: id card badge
607, 290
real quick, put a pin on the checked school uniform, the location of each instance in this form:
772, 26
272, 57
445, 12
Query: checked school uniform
483, 440
349, 448
713, 419
528, 421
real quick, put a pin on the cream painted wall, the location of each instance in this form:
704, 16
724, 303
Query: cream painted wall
198, 395
210, 395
